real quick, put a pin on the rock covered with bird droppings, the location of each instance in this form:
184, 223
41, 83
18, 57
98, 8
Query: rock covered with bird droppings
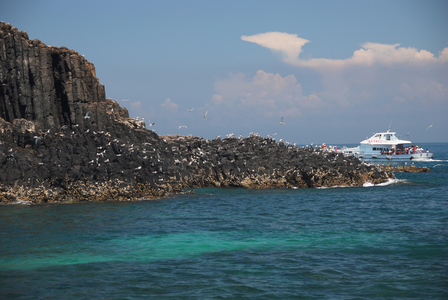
61, 140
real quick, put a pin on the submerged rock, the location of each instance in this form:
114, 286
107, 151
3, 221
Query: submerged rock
61, 140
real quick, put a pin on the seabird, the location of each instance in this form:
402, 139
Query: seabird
87, 116
182, 126
205, 114
190, 110
36, 139
125, 100
429, 126
150, 124
281, 122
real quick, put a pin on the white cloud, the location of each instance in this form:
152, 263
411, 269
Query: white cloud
375, 53
217, 99
267, 94
169, 105
379, 74
290, 45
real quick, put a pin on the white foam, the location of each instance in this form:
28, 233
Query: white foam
388, 182
367, 184
20, 201
332, 187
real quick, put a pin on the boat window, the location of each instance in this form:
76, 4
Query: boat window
387, 137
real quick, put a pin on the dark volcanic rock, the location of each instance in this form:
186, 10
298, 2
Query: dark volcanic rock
62, 140
406, 169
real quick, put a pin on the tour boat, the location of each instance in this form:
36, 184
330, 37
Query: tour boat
387, 146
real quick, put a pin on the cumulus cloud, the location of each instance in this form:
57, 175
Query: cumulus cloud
168, 105
380, 72
290, 45
267, 94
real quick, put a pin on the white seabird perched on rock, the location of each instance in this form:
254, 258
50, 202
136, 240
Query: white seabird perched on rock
87, 116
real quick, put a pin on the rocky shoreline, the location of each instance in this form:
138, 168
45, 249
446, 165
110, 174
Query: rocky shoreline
62, 141
406, 169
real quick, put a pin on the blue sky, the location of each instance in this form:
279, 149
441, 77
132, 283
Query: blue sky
336, 71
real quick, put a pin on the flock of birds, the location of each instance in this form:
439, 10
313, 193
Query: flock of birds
190, 110
205, 114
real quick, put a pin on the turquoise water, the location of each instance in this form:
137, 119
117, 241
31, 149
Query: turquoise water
338, 243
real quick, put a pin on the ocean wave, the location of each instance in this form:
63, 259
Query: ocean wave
333, 187
20, 202
390, 181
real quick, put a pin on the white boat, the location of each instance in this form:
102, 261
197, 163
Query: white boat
387, 146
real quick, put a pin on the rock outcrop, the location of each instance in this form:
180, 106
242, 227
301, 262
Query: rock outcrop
62, 140
406, 169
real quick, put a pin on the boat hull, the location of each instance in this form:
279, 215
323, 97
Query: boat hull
397, 157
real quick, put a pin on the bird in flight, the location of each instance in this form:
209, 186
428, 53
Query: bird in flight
281, 122
150, 124
205, 114
429, 126
190, 110
182, 126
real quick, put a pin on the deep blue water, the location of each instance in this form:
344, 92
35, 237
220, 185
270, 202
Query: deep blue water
381, 242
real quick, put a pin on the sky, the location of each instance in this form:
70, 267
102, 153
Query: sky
335, 71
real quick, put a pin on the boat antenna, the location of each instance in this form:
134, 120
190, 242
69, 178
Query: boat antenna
390, 124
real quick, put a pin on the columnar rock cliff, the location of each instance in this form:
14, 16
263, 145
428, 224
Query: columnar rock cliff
50, 86
62, 140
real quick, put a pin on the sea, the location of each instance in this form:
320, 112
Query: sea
386, 241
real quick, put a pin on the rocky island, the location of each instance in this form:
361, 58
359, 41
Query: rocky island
61, 140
